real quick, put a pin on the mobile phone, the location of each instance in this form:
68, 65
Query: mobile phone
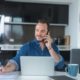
43, 40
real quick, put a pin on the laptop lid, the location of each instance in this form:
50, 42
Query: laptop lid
37, 66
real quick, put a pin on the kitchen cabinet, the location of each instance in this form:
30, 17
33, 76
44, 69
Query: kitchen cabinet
31, 12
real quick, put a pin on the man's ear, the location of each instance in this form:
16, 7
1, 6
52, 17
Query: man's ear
48, 33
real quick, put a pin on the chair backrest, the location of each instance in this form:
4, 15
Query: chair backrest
75, 56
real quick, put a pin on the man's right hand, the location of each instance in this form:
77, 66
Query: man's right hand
9, 67
2, 69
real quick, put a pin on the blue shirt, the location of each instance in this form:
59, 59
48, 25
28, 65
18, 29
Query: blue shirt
33, 48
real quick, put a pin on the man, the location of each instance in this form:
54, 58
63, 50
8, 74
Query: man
41, 46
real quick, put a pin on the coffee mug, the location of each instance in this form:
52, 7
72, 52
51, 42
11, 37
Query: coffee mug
72, 69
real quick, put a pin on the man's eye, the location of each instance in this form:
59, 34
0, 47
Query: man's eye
43, 32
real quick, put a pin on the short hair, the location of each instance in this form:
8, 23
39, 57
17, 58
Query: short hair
44, 21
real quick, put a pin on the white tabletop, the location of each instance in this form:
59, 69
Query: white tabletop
17, 76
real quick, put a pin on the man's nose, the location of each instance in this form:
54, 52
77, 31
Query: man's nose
39, 33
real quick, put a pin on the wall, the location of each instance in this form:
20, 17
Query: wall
73, 28
79, 26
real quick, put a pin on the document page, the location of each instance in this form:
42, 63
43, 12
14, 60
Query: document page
11, 75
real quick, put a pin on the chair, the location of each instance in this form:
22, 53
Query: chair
75, 57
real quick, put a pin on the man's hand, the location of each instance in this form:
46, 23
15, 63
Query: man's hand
8, 68
2, 69
48, 41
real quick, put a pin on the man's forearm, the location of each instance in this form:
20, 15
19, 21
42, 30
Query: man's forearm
54, 54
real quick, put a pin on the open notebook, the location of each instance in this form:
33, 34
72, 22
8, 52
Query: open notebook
63, 77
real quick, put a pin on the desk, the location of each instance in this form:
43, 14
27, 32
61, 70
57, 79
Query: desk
16, 76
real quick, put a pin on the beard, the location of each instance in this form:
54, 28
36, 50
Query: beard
40, 38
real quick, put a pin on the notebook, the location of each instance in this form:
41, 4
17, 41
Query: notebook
63, 77
37, 66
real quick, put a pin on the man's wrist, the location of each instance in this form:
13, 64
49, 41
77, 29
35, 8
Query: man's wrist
49, 48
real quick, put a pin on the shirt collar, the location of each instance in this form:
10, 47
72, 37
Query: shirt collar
37, 42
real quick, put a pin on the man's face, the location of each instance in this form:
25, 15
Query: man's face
41, 30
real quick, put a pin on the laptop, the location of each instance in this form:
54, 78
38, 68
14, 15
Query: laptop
37, 66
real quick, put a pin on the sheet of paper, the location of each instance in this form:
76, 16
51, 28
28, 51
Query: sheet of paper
34, 78
9, 76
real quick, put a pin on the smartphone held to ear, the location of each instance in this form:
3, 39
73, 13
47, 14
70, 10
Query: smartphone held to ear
44, 40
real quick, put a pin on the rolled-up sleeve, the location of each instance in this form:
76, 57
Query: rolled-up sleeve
14, 62
60, 63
